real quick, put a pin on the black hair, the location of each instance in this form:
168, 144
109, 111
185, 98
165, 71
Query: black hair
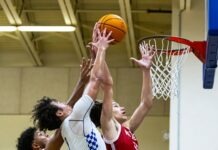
44, 114
25, 140
95, 113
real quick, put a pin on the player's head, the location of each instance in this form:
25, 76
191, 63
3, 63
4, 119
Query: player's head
26, 139
119, 113
32, 139
49, 113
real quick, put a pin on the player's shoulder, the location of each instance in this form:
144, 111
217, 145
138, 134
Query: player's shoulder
126, 124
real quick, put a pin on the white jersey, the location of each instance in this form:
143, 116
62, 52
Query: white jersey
77, 129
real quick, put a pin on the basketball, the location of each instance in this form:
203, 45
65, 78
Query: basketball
113, 23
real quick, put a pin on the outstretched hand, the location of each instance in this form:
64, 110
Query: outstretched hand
147, 54
101, 40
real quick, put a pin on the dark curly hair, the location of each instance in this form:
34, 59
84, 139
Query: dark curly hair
25, 140
44, 114
95, 113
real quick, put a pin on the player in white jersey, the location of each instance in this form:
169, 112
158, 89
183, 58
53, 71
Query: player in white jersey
76, 127
33, 139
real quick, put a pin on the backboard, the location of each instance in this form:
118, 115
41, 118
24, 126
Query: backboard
209, 67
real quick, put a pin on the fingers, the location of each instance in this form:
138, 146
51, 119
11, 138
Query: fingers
99, 32
151, 50
97, 24
82, 64
83, 61
109, 34
111, 40
101, 39
147, 50
153, 53
86, 66
89, 45
133, 59
94, 33
85, 70
104, 32
90, 67
143, 48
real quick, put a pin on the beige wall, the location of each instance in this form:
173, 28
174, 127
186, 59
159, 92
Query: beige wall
10, 128
21, 87
150, 133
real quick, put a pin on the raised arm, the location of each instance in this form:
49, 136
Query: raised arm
97, 72
107, 121
85, 69
146, 93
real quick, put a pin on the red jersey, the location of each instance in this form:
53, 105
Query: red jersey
126, 140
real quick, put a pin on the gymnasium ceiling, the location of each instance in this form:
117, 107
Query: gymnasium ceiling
39, 49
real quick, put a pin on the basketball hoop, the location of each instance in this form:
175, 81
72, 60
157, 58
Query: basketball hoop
171, 53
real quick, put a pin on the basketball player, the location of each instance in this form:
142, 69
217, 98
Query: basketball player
117, 129
77, 129
34, 139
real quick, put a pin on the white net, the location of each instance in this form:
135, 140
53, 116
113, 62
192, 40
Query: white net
166, 64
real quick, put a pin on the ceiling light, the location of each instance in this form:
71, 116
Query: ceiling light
46, 28
8, 28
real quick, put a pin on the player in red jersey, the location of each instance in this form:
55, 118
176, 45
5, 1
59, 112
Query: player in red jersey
117, 129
